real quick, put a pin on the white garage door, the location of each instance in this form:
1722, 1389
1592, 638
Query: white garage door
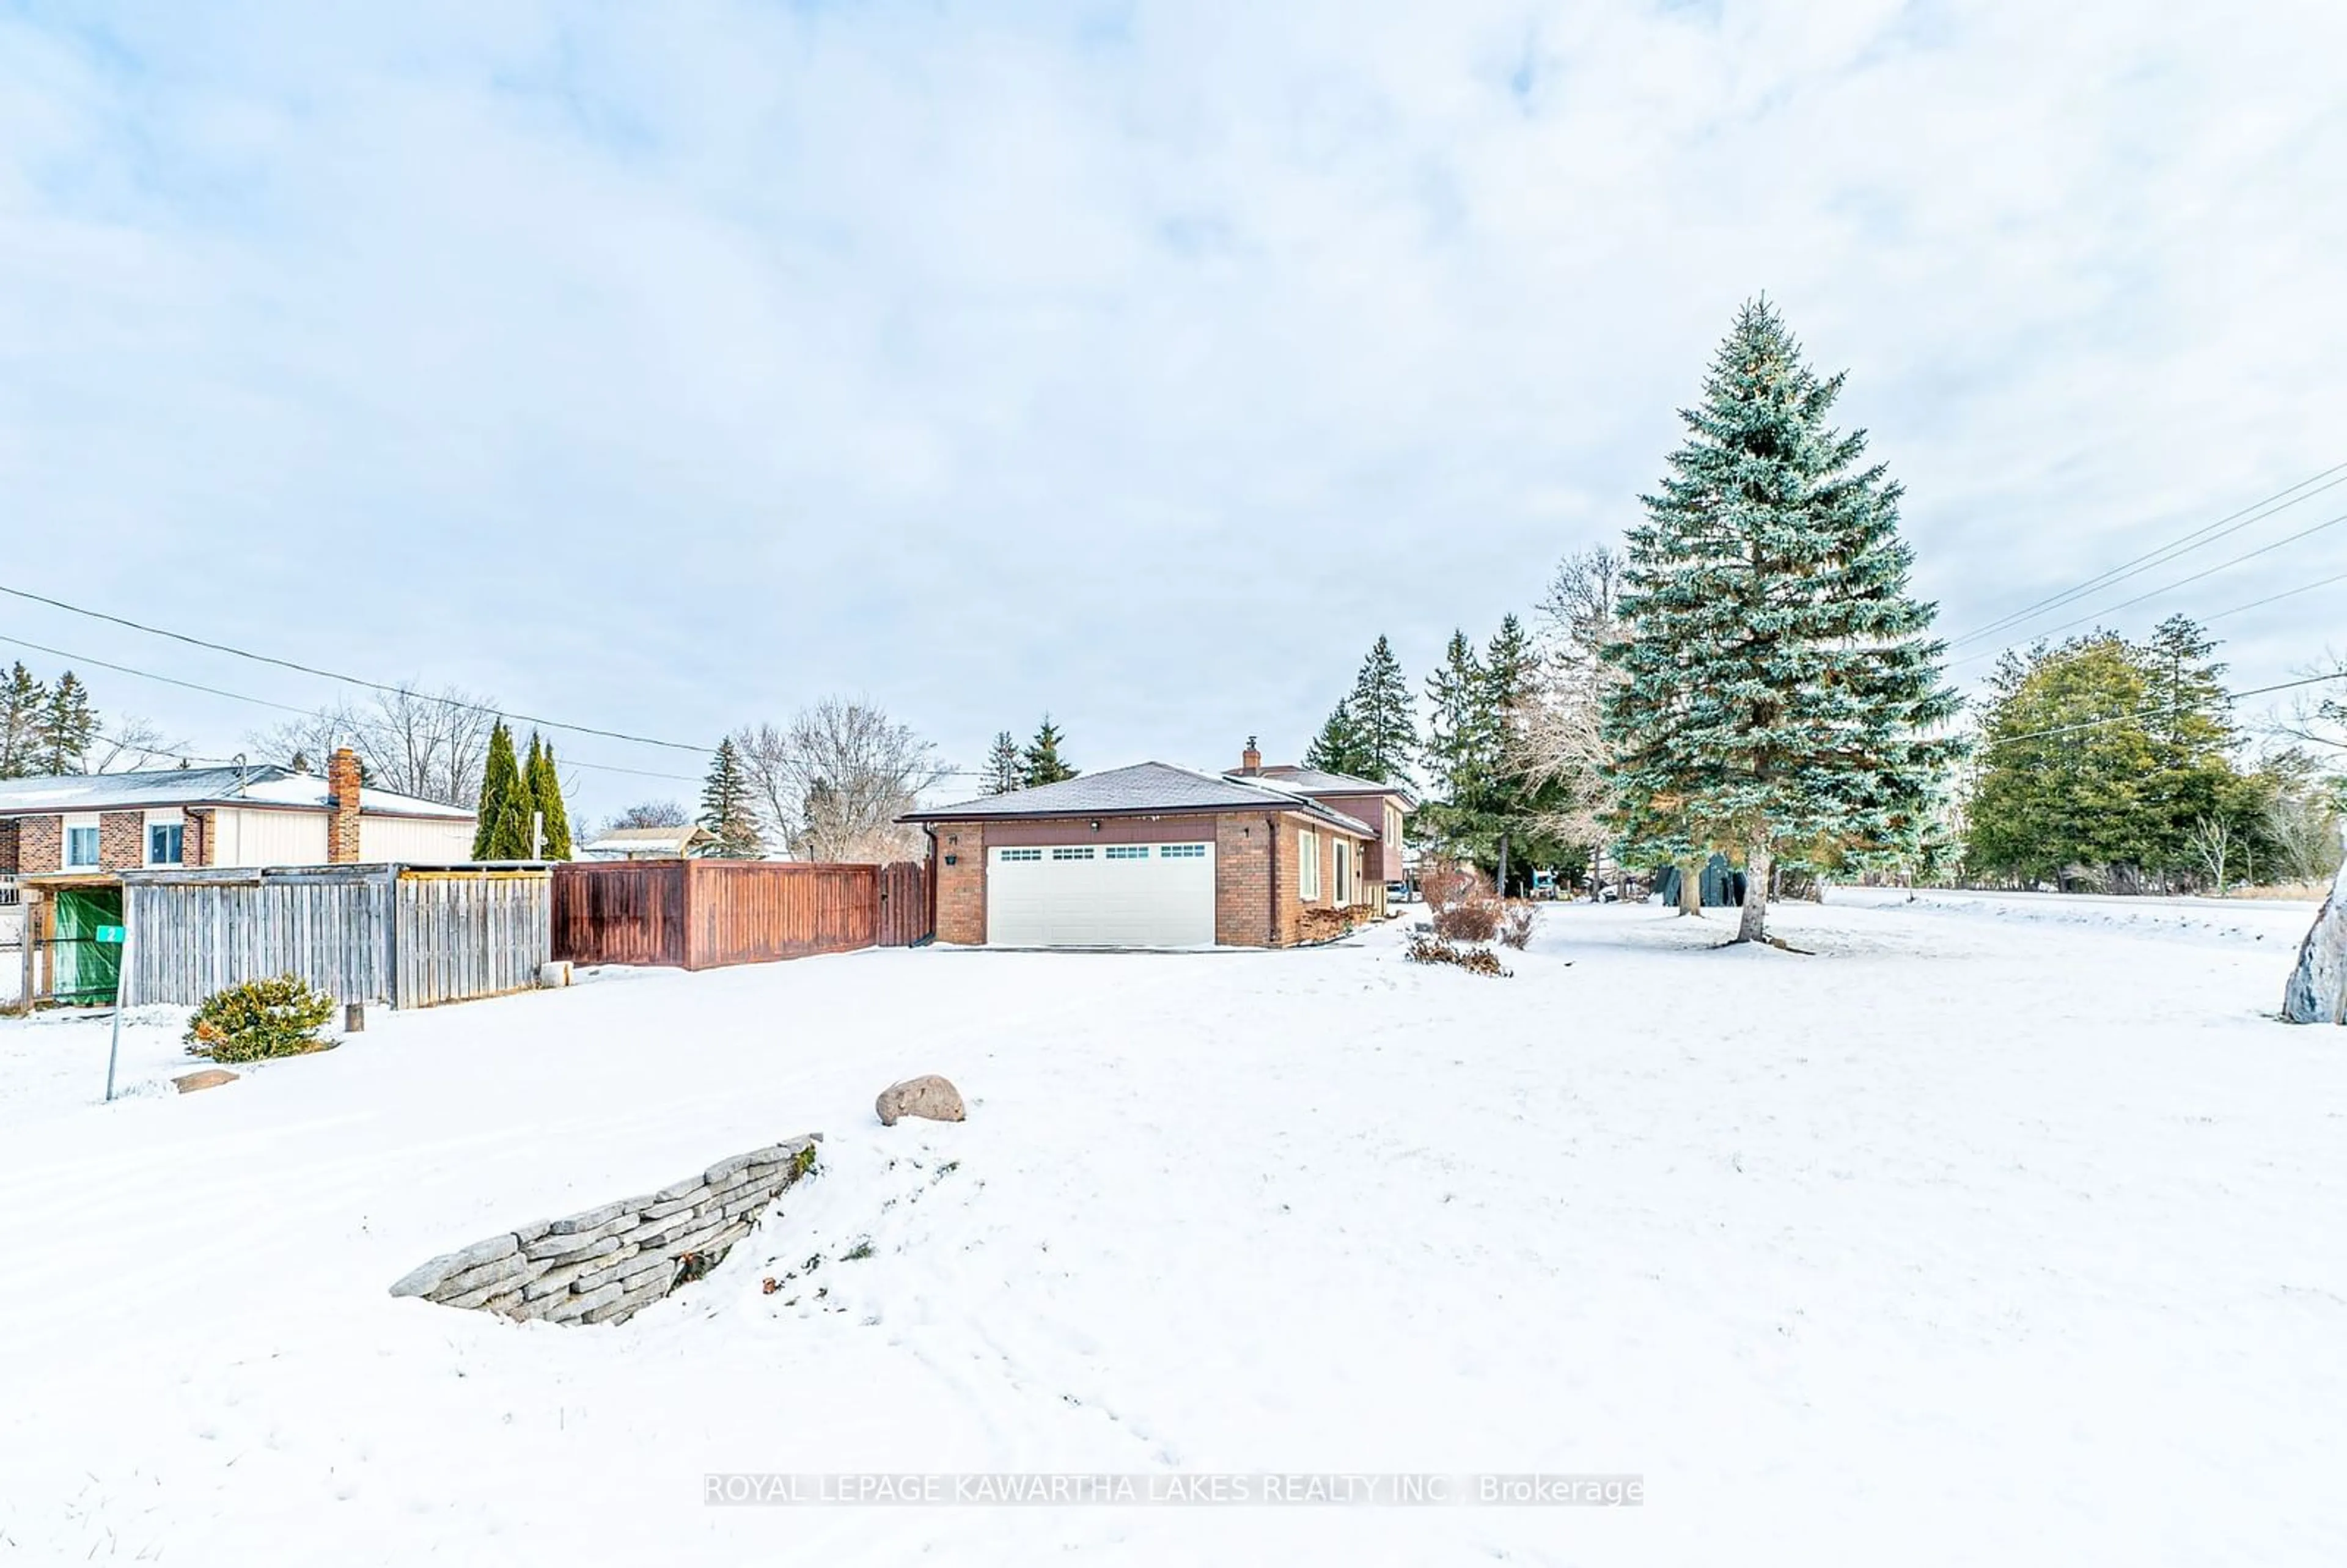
1101, 895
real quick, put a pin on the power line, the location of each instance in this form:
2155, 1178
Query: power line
2155, 711
2179, 582
2272, 597
2209, 533
287, 707
348, 680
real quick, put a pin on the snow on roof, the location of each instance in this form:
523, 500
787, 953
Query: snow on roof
1149, 788
673, 838
265, 785
1319, 780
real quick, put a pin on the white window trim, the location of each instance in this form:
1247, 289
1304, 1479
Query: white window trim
167, 816
66, 827
1307, 865
1344, 878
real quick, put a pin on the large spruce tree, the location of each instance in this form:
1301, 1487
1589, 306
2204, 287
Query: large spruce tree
22, 700
1041, 763
67, 727
1778, 686
501, 830
1004, 771
1339, 748
1384, 729
1459, 746
727, 809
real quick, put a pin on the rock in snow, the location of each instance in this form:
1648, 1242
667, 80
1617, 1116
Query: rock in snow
209, 1078
2317, 993
929, 1096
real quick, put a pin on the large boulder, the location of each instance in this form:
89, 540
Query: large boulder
929, 1096
209, 1078
2317, 993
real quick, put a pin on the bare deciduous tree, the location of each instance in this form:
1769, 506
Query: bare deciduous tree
2212, 841
428, 744
651, 814
833, 783
1557, 737
129, 744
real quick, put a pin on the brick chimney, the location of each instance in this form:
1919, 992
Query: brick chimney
1250, 760
343, 806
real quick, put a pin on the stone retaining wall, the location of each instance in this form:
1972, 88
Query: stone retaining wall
606, 1264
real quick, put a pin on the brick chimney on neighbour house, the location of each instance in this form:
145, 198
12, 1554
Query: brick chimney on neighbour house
343, 806
1250, 760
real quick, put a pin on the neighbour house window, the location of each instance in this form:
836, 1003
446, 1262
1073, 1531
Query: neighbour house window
1021, 854
1182, 851
165, 843
1127, 852
1307, 858
1082, 851
81, 845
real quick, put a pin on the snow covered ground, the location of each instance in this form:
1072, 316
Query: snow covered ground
1974, 1237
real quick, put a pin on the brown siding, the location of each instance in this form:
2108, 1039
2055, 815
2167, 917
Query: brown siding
705, 913
1371, 809
1112, 830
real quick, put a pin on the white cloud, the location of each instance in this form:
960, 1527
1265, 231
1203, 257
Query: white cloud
667, 368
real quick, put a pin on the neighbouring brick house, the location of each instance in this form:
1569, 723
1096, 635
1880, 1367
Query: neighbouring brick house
234, 816
1155, 856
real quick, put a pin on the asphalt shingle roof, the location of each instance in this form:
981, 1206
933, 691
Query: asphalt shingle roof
264, 784
1144, 787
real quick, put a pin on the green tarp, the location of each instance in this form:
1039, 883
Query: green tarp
85, 970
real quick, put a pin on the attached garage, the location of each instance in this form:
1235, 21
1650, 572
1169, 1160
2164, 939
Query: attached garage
1146, 857
1100, 895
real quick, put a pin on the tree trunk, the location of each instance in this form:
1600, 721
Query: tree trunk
1503, 866
1754, 926
1691, 887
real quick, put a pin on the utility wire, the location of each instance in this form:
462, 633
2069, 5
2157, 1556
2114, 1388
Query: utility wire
2272, 597
289, 708
347, 680
2158, 709
2209, 533
2155, 593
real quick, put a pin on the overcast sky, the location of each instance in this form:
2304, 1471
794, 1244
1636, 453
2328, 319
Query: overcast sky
665, 367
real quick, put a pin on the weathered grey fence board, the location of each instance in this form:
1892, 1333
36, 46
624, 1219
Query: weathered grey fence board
192, 940
471, 935
376, 934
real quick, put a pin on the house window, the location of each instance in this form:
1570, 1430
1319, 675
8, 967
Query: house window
1021, 854
81, 843
1308, 859
1181, 851
1126, 852
165, 843
1344, 872
1082, 851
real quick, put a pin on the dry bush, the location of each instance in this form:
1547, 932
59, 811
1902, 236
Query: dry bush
1465, 907
1425, 948
1326, 924
1516, 923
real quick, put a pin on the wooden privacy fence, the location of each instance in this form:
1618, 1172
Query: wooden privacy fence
407, 936
705, 913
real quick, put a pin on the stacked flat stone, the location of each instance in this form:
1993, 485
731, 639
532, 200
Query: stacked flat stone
606, 1264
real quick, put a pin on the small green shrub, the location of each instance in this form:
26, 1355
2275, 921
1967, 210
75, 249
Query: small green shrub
259, 1020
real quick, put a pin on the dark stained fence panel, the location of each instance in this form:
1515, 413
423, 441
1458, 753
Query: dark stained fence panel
619, 911
707, 914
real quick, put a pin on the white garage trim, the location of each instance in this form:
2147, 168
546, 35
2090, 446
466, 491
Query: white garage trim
1101, 895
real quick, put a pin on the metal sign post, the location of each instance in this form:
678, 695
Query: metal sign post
119, 936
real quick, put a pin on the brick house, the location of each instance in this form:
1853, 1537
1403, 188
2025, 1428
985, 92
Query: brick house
1153, 855
236, 817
